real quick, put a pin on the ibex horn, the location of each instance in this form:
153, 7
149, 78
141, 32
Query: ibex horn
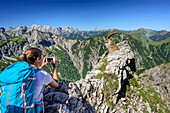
111, 33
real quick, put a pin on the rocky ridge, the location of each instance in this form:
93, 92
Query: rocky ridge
111, 87
88, 95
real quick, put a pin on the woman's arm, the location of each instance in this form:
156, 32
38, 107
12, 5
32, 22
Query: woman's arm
55, 81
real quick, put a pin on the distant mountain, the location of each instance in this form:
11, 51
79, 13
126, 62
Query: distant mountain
148, 35
160, 35
142, 34
68, 32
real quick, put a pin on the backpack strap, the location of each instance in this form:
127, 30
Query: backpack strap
23, 94
38, 97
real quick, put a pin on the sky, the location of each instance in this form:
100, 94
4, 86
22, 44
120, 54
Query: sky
87, 14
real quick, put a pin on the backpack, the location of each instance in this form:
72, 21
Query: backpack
17, 87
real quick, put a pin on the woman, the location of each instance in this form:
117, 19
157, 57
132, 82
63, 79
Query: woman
34, 58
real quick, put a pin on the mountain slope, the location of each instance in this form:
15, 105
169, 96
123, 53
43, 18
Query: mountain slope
160, 35
142, 34
158, 78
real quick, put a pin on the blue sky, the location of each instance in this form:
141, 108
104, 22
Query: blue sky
87, 14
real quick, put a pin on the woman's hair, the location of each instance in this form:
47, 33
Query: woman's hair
31, 55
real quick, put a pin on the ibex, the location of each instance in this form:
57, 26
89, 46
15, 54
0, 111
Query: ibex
111, 46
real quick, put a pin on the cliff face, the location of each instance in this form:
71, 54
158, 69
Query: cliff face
112, 86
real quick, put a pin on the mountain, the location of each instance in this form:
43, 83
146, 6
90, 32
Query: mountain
142, 34
95, 81
78, 56
75, 56
148, 35
112, 86
160, 35
68, 32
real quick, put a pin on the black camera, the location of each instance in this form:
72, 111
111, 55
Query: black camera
49, 59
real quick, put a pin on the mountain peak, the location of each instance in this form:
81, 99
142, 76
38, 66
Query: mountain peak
95, 29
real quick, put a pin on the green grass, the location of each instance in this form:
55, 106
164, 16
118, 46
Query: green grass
134, 82
140, 71
148, 94
153, 98
74, 47
103, 67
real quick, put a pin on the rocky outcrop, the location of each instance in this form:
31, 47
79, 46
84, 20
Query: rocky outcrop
116, 61
88, 95
60, 101
158, 78
111, 87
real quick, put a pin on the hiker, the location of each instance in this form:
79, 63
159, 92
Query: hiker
22, 83
34, 58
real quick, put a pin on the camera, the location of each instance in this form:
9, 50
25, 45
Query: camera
49, 59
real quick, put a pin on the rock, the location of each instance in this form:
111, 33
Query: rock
158, 78
52, 108
49, 97
60, 97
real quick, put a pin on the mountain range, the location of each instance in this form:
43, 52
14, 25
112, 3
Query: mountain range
133, 79
78, 54
68, 32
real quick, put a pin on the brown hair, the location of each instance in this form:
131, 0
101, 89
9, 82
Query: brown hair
31, 55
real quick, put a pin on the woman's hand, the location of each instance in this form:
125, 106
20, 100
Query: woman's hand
44, 62
54, 62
